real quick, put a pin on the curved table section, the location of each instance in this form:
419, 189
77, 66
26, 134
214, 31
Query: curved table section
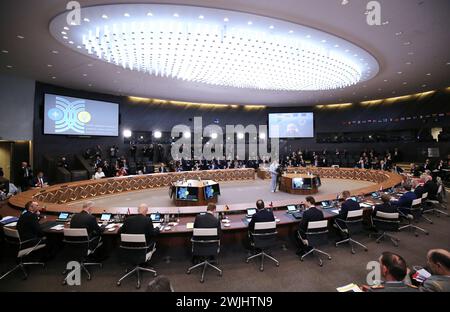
57, 197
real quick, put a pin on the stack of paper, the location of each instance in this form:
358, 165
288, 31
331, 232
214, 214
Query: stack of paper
58, 227
190, 225
349, 288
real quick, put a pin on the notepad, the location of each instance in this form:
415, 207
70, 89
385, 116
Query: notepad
13, 224
366, 205
349, 288
336, 211
110, 226
58, 227
190, 225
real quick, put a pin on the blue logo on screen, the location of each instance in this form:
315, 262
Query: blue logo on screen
183, 193
209, 192
69, 115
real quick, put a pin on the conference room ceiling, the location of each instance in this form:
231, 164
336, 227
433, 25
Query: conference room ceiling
410, 46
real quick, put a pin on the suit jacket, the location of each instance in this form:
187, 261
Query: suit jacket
36, 180
406, 200
385, 207
85, 220
29, 227
436, 283
431, 187
139, 224
310, 215
419, 191
393, 287
4, 185
348, 205
207, 221
263, 215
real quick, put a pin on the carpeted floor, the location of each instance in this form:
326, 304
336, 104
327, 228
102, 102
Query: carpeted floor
231, 193
292, 275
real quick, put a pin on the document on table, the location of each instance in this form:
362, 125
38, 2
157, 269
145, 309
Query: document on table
12, 224
336, 211
190, 225
58, 227
349, 288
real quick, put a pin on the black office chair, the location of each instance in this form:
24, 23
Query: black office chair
81, 246
135, 251
205, 244
411, 215
316, 236
437, 203
353, 226
386, 223
263, 237
25, 248
425, 208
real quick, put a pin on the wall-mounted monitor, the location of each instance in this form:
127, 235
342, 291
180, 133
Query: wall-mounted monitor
67, 115
291, 125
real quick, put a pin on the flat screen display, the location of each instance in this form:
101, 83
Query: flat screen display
187, 193
291, 125
67, 115
211, 191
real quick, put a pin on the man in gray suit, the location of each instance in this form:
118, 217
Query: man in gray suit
273, 169
393, 271
439, 264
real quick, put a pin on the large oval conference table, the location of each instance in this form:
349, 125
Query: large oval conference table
57, 198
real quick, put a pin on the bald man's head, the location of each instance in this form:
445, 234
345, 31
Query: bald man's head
143, 209
439, 261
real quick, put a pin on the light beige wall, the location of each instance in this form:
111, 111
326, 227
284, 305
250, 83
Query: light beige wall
5, 158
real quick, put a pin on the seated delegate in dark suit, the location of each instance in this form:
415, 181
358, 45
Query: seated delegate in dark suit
386, 206
40, 180
347, 205
419, 190
4, 183
439, 265
431, 188
207, 220
311, 214
28, 225
404, 203
85, 220
262, 215
140, 224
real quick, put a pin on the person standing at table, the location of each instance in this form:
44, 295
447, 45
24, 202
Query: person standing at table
273, 169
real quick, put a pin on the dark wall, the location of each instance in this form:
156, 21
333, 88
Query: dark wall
149, 117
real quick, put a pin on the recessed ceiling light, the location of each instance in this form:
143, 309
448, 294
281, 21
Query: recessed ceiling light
385, 23
407, 43
201, 17
347, 50
55, 52
176, 15
20, 37
271, 27
323, 41
226, 19
104, 16
127, 15
9, 66
428, 74
63, 33
424, 86
86, 20
78, 47
149, 14
84, 75
90, 65
66, 28
405, 83
448, 63
250, 23
6, 51
336, 46
90, 85
408, 63
291, 31
399, 73
53, 77
308, 36
385, 80
49, 65
65, 37
399, 33
71, 42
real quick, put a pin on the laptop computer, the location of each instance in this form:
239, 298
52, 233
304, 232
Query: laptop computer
298, 214
156, 217
326, 204
250, 212
105, 217
291, 209
63, 217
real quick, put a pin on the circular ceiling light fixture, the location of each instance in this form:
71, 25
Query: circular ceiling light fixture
221, 49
